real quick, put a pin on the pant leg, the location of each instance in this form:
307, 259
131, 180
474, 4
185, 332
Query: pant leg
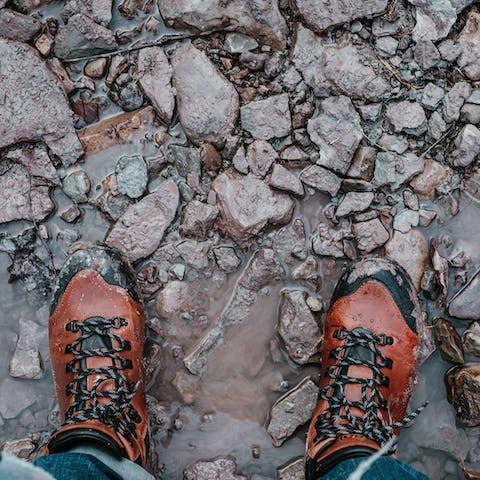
12, 468
385, 468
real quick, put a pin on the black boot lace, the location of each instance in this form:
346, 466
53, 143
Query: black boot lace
360, 348
97, 340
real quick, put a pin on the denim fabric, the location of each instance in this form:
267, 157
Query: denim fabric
385, 468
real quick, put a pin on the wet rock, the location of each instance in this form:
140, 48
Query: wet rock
321, 179
198, 219
140, 229
354, 202
337, 132
20, 448
28, 87
260, 157
394, 170
370, 235
298, 328
292, 471
321, 15
469, 40
15, 397
207, 103
465, 303
29, 5
463, 387
343, 69
408, 117
226, 258
130, 8
98, 10
266, 119
194, 253
295, 408
219, 468
117, 130
262, 21
44, 44
132, 176
126, 93
283, 179
454, 101
82, 37
433, 175
448, 341
405, 220
432, 95
410, 250
175, 298
154, 77
247, 205
238, 43
440, 265
363, 163
77, 185
471, 339
328, 241
71, 214
209, 156
426, 217
96, 68
429, 284
111, 201
468, 147
19, 199
16, 26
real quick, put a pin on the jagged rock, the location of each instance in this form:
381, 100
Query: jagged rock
71, 214
471, 338
198, 219
432, 96
298, 327
82, 37
226, 258
406, 219
28, 87
434, 19
426, 54
410, 250
16, 26
132, 176
247, 204
363, 163
341, 68
354, 202
448, 341
322, 14
454, 101
468, 147
370, 235
218, 468
140, 229
19, 200
470, 113
266, 119
76, 185
463, 389
260, 157
465, 303
98, 10
469, 40
321, 179
328, 241
394, 170
261, 20
292, 471
436, 126
29, 5
207, 102
238, 43
22, 448
15, 397
433, 175
408, 117
283, 179
295, 408
154, 75
337, 132
386, 46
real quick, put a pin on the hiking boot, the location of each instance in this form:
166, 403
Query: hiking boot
96, 337
369, 364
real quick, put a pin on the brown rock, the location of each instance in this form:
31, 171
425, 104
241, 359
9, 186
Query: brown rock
469, 41
283, 179
328, 241
210, 157
16, 26
198, 219
471, 338
321, 179
96, 68
219, 468
448, 341
260, 157
354, 202
20, 448
370, 235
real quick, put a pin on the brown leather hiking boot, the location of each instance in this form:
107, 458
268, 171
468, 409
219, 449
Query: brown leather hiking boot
369, 363
96, 337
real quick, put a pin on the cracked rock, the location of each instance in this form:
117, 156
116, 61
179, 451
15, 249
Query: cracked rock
266, 119
140, 229
337, 68
261, 20
226, 258
408, 117
82, 37
219, 468
394, 170
321, 179
198, 219
370, 235
465, 303
247, 204
208, 103
154, 75
28, 87
328, 241
298, 328
337, 131
295, 408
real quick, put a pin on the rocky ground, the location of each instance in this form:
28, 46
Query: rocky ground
240, 154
